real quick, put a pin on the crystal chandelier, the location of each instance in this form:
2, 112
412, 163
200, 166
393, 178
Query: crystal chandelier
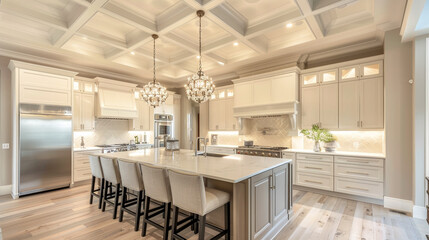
199, 87
153, 92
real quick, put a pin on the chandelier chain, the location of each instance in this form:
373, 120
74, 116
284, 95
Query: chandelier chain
154, 62
201, 67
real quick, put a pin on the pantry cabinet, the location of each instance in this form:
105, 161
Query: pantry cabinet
83, 111
310, 107
221, 110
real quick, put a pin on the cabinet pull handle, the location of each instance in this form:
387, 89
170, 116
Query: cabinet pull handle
362, 189
306, 157
313, 181
359, 173
313, 168
357, 161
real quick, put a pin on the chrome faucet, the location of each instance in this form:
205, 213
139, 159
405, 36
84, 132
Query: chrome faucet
197, 143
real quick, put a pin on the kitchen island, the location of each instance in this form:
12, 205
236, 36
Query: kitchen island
260, 187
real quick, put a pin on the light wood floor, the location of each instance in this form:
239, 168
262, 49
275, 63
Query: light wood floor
66, 214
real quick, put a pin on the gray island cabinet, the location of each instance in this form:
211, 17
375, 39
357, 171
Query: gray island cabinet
260, 187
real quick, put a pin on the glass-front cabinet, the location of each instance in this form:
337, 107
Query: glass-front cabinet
328, 76
362, 71
310, 79
349, 73
84, 85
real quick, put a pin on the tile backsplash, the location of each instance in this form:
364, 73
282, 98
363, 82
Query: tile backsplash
109, 131
274, 132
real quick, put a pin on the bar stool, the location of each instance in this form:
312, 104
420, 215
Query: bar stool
157, 187
131, 180
111, 177
97, 173
190, 194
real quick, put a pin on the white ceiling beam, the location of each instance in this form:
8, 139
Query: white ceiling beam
332, 6
79, 22
101, 37
218, 44
274, 23
312, 22
174, 17
193, 3
128, 17
233, 23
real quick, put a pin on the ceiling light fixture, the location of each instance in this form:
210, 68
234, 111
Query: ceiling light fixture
236, 44
199, 87
133, 53
154, 93
221, 63
289, 25
198, 57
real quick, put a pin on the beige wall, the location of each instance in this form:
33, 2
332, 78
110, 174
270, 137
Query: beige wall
398, 70
5, 123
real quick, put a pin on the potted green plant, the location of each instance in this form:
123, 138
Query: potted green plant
318, 135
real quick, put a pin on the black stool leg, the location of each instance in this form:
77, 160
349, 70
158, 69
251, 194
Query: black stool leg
174, 226
115, 206
166, 220
202, 227
227, 221
124, 199
145, 215
92, 190
195, 225
138, 211
101, 194
105, 197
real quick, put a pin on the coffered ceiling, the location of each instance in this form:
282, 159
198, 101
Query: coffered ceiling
115, 35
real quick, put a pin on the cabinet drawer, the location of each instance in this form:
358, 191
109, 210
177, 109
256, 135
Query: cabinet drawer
375, 162
81, 163
81, 174
359, 187
359, 172
315, 181
315, 157
289, 156
325, 168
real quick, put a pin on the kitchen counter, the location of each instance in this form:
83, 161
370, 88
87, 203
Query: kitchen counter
251, 181
223, 146
232, 168
338, 153
86, 149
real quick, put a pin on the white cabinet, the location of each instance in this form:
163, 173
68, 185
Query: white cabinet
361, 71
270, 201
243, 94
143, 120
361, 104
349, 97
371, 103
221, 110
310, 107
83, 111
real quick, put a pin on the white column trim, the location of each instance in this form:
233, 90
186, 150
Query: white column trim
419, 212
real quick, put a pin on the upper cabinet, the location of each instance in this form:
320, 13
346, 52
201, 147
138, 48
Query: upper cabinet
221, 110
361, 71
143, 121
349, 97
83, 104
37, 84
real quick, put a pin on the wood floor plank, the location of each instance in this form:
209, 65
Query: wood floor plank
66, 214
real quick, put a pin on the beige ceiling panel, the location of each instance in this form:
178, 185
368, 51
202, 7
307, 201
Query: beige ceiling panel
289, 35
235, 51
148, 9
86, 46
211, 32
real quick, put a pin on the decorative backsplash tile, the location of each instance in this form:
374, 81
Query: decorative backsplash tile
110, 131
274, 132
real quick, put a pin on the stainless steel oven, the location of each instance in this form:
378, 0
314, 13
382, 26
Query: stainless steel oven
163, 129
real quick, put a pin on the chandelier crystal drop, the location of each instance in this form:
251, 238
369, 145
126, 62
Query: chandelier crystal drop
153, 92
199, 87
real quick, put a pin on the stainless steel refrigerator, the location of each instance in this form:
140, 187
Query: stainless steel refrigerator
45, 147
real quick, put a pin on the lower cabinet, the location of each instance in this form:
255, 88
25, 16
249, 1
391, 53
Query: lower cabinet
81, 167
270, 200
362, 176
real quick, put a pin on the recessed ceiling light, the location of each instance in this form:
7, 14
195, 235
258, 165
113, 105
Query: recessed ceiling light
236, 44
85, 38
133, 53
289, 25
221, 63
198, 57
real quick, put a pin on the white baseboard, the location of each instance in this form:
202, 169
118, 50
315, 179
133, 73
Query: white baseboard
398, 204
419, 212
5, 190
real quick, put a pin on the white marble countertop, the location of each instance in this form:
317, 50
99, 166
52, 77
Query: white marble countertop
338, 153
232, 168
86, 149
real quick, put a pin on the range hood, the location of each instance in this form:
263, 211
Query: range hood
115, 100
289, 109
